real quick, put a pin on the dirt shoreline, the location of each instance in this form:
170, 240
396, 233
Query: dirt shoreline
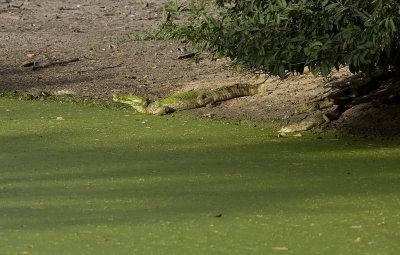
51, 33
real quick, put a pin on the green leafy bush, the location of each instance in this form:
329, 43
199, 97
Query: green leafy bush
280, 36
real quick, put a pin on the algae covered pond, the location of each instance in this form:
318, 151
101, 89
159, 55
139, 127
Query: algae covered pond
76, 179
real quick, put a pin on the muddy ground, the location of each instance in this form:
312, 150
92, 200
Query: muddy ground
89, 37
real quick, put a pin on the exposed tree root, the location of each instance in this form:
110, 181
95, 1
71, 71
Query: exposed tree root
375, 89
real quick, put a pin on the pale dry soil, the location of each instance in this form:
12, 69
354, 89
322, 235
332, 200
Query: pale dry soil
46, 32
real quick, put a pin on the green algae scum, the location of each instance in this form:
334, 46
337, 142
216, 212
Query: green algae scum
77, 179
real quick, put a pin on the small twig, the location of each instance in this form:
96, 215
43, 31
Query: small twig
189, 55
17, 6
68, 8
29, 63
109, 67
102, 68
57, 63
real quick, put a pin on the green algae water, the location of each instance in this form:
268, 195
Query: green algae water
82, 180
